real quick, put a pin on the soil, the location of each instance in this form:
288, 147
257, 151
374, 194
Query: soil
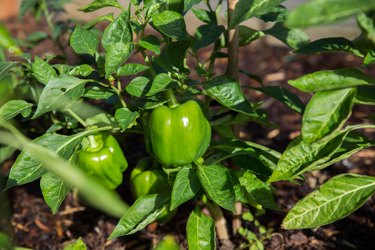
35, 227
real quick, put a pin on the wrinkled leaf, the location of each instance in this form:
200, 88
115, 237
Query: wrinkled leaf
139, 86
117, 54
42, 71
126, 118
118, 31
84, 41
335, 199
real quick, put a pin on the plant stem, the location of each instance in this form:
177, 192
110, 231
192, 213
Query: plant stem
233, 39
76, 116
220, 221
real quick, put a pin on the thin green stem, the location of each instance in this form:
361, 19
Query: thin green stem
77, 117
172, 98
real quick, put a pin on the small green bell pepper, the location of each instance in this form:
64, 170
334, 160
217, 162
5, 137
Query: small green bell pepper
178, 135
146, 179
102, 158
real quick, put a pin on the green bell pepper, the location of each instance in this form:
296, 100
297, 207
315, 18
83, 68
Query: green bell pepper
178, 135
146, 179
102, 158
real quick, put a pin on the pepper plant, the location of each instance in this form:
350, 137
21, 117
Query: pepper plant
185, 112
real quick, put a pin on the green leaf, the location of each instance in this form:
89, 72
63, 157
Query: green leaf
319, 12
54, 190
301, 157
5, 153
131, 69
365, 95
144, 211
217, 182
97, 93
171, 24
294, 38
98, 4
14, 107
5, 241
325, 112
5, 68
331, 79
331, 44
36, 37
160, 83
257, 191
151, 43
352, 143
367, 24
204, 15
185, 187
59, 92
84, 41
117, 54
172, 58
138, 87
42, 71
27, 169
227, 91
118, 31
246, 9
76, 245
285, 96
200, 230
248, 35
25, 6
206, 35
126, 118
335, 199
83, 70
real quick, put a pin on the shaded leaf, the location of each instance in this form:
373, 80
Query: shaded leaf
171, 24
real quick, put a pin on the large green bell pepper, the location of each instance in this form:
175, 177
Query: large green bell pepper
179, 135
102, 158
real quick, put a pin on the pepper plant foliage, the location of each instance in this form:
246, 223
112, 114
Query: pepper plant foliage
109, 92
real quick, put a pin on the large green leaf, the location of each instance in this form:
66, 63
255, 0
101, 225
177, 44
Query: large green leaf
185, 187
54, 190
227, 91
59, 92
332, 79
14, 107
118, 31
318, 12
139, 86
217, 182
117, 54
325, 112
300, 156
144, 211
171, 24
246, 9
200, 230
84, 41
335, 199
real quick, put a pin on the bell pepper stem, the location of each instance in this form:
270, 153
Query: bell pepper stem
172, 98
93, 141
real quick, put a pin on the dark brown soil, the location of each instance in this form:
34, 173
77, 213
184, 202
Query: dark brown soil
35, 227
